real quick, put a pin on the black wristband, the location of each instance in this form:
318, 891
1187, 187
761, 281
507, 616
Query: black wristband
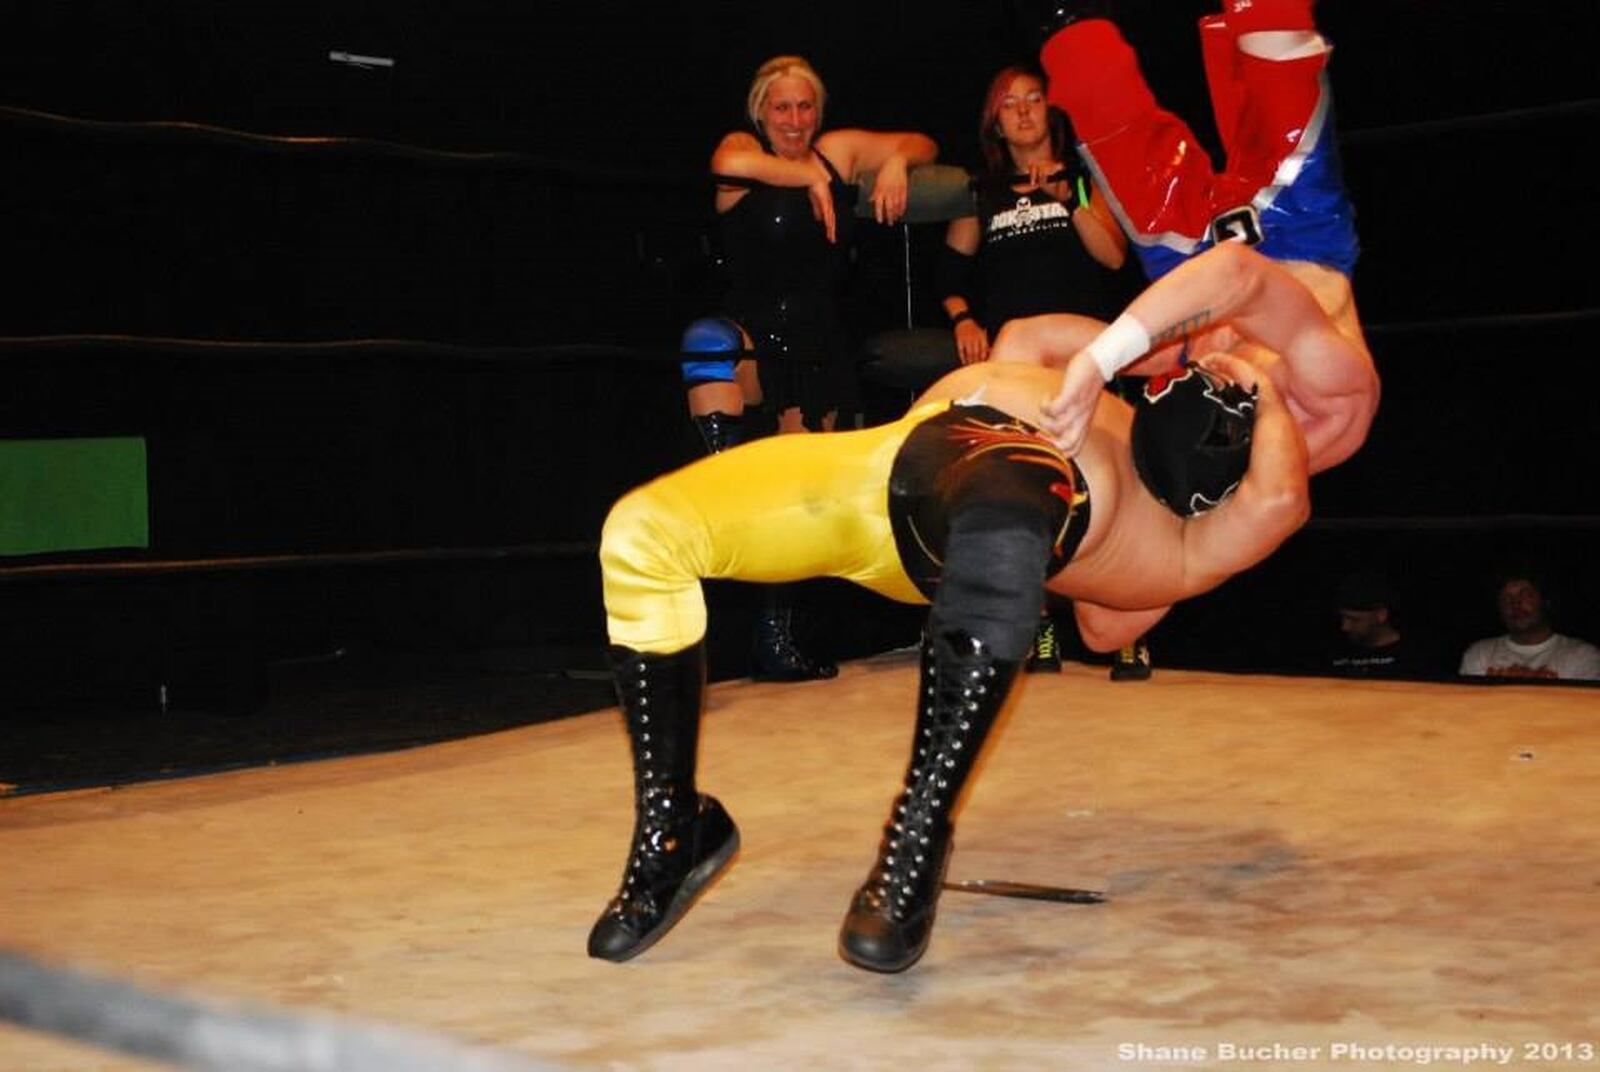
965, 314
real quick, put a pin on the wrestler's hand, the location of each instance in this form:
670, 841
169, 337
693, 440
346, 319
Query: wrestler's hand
821, 194
972, 342
1065, 418
1235, 369
890, 190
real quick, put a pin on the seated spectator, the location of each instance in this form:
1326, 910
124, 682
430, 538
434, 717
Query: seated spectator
1372, 645
1039, 240
1530, 647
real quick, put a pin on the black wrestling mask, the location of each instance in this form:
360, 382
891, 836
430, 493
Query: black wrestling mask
1191, 438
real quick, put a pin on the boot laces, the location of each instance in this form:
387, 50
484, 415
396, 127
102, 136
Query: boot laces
658, 844
660, 822
782, 648
951, 699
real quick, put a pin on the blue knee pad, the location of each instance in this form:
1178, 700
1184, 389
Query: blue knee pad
711, 335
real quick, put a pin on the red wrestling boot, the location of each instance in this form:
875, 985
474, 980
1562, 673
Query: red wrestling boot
682, 839
962, 690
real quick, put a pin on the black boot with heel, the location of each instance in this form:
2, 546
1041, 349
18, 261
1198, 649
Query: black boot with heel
682, 839
777, 654
963, 687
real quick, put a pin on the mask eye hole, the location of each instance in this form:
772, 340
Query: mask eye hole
1226, 432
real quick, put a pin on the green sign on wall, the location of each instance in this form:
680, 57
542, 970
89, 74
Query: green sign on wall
73, 495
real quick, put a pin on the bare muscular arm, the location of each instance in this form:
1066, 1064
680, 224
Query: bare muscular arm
1269, 505
1107, 628
1326, 373
1048, 340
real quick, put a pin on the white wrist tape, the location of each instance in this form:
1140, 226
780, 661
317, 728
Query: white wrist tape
1119, 345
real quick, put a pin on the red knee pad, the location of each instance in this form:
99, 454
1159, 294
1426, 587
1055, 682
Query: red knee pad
1249, 16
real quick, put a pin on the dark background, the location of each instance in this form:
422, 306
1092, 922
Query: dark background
360, 312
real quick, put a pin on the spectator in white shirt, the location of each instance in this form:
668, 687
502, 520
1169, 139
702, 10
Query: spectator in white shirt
1530, 646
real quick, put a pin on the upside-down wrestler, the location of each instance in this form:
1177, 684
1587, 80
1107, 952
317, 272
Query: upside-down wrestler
1280, 195
960, 504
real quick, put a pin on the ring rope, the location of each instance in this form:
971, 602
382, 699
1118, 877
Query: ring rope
201, 1035
1561, 110
175, 129
554, 352
137, 567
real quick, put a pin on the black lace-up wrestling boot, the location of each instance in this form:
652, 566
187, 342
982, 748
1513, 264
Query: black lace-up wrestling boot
776, 654
682, 839
963, 687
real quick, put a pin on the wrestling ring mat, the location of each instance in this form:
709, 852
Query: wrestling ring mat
1386, 867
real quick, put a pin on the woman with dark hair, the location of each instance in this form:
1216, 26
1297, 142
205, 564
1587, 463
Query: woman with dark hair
1039, 239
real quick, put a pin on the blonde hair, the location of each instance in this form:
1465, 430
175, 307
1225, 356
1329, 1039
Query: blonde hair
775, 68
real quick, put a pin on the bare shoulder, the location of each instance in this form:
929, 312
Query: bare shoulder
1330, 287
1014, 389
838, 137
841, 147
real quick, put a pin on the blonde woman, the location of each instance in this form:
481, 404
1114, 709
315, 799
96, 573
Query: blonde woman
785, 202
